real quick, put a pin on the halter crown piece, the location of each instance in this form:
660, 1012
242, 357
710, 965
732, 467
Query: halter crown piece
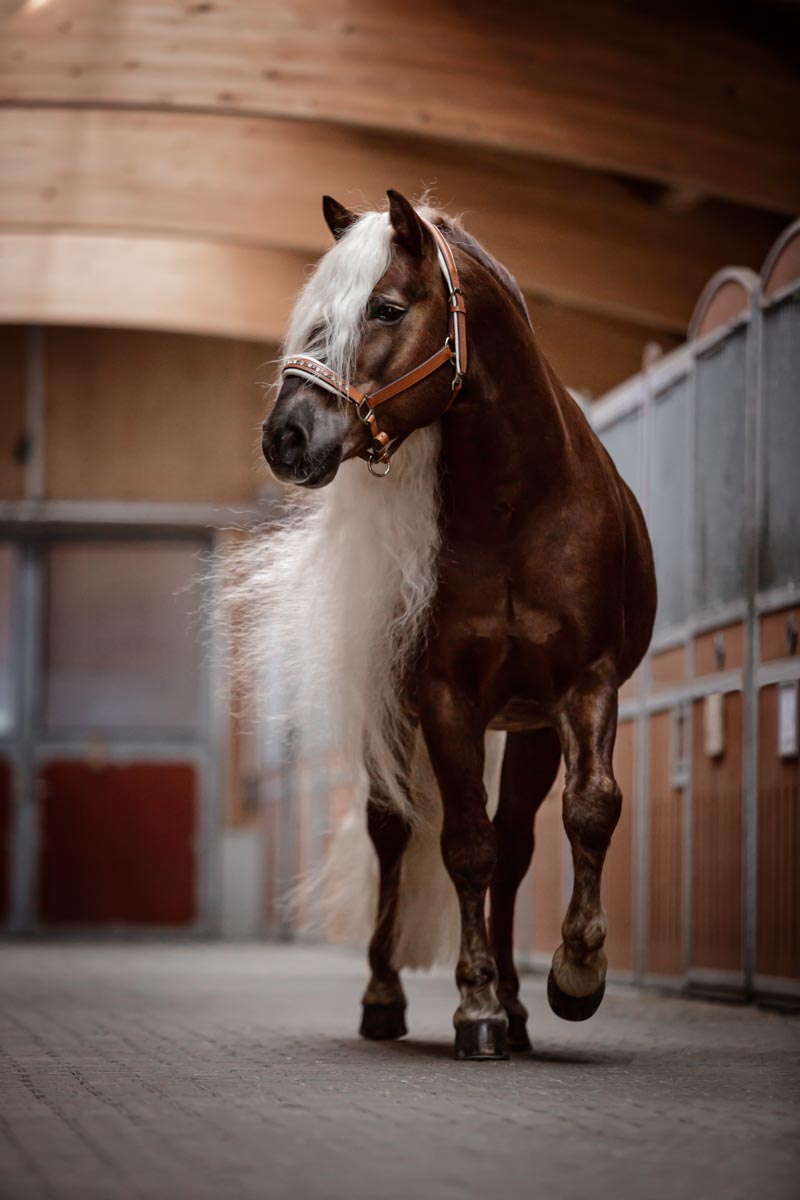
453, 351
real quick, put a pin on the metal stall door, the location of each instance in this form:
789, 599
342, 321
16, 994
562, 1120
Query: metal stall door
716, 829
119, 737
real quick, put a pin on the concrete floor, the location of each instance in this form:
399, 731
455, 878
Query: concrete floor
200, 1071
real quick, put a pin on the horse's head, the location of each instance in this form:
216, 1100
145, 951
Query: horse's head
375, 308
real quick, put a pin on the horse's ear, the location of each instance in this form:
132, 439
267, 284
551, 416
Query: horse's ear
408, 229
338, 218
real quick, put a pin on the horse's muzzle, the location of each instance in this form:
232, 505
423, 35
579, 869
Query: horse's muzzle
293, 460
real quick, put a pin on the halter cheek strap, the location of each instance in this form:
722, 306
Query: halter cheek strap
454, 352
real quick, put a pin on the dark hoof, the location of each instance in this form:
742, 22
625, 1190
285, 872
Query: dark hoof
573, 1008
518, 1039
383, 1022
481, 1040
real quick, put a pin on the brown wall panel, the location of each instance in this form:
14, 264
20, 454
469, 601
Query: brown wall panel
591, 351
778, 919
717, 843
775, 633
665, 950
731, 639
668, 668
12, 410
547, 873
617, 884
153, 416
117, 844
630, 688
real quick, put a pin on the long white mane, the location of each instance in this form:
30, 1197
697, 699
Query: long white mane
341, 592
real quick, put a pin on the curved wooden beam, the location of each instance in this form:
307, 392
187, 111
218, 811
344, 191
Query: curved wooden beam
224, 290
698, 104
183, 286
578, 237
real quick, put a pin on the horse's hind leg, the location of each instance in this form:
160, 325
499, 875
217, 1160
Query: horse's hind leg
384, 1002
592, 803
530, 767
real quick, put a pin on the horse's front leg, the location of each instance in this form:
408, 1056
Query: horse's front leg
384, 1001
454, 735
592, 803
530, 767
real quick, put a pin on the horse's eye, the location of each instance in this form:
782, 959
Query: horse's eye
388, 314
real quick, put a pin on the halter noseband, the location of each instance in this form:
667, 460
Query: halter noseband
453, 351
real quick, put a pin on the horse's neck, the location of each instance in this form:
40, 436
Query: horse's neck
508, 437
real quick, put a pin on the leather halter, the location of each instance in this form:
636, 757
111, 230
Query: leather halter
453, 351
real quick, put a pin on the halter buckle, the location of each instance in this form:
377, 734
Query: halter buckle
366, 415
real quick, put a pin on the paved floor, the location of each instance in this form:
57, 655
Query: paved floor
171, 1072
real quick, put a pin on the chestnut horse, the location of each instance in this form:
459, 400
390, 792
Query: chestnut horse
500, 579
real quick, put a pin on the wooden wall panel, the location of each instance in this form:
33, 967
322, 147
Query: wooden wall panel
665, 941
630, 688
607, 85
778, 913
717, 831
150, 416
732, 643
133, 282
668, 668
12, 410
245, 292
590, 351
578, 237
774, 634
617, 884
547, 876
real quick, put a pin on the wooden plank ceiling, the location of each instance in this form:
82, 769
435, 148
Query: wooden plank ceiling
163, 162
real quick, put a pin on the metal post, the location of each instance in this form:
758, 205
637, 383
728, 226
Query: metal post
641, 848
753, 443
687, 797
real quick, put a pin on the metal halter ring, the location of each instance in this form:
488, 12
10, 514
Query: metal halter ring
386, 462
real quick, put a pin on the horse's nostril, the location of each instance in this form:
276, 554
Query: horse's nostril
293, 442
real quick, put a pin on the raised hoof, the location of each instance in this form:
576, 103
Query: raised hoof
477, 1040
518, 1040
383, 1022
573, 1008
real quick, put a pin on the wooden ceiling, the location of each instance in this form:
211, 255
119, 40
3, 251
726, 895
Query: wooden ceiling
163, 162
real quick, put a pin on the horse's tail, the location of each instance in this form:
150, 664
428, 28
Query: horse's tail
345, 888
